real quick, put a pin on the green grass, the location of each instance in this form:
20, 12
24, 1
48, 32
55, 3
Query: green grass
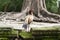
4, 39
26, 34
29, 34
14, 31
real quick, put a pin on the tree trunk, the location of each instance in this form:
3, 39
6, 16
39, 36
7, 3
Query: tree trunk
40, 11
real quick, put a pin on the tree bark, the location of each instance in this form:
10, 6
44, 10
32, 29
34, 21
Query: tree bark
40, 11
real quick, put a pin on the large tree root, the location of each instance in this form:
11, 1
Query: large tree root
48, 17
13, 15
41, 14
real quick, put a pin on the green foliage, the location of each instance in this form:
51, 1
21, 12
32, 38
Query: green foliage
10, 5
52, 5
15, 5
3, 3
